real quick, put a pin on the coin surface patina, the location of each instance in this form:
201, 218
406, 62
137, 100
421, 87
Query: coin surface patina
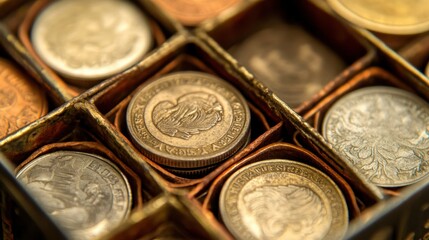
86, 41
188, 120
383, 132
193, 12
294, 71
85, 193
282, 199
21, 101
391, 17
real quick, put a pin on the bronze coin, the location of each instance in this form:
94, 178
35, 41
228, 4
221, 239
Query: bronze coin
21, 100
193, 12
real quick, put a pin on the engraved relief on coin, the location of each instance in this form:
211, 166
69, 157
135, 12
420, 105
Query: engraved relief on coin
383, 132
91, 40
289, 61
282, 199
392, 17
84, 193
21, 101
193, 12
188, 119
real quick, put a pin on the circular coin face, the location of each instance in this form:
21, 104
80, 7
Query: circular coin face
87, 41
21, 101
392, 17
383, 132
282, 199
188, 120
192, 12
84, 193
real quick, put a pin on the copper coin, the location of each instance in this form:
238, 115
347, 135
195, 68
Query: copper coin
83, 192
282, 199
87, 41
21, 100
192, 12
188, 120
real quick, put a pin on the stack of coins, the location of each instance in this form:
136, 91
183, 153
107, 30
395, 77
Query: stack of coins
188, 121
383, 132
21, 101
87, 41
85, 193
282, 199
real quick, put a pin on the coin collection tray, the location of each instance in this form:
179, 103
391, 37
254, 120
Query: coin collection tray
169, 204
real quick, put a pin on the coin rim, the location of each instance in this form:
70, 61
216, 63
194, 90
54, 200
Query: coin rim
351, 16
366, 91
108, 162
194, 161
229, 224
75, 77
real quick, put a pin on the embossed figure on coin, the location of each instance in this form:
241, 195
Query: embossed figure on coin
86, 41
188, 120
383, 131
291, 210
282, 199
193, 113
81, 191
21, 101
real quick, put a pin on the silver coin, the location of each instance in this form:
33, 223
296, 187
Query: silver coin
383, 132
288, 60
87, 41
188, 120
282, 199
85, 193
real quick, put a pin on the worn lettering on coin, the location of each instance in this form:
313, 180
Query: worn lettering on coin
84, 193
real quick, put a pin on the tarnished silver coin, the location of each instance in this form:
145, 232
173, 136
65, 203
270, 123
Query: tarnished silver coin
282, 199
188, 120
87, 41
383, 132
288, 60
85, 193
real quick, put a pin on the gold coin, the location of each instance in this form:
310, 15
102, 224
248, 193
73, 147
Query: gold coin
21, 101
188, 120
282, 199
392, 17
192, 12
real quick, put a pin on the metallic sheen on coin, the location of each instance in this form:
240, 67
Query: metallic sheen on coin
86, 41
282, 199
383, 132
288, 60
391, 17
84, 192
188, 120
193, 12
21, 101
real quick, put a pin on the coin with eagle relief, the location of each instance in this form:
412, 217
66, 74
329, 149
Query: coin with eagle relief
188, 119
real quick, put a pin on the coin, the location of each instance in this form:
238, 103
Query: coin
193, 12
83, 192
383, 132
391, 17
21, 100
86, 41
288, 60
282, 199
188, 120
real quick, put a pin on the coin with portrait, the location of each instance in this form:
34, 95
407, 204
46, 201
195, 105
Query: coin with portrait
282, 199
85, 193
383, 131
87, 41
188, 119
